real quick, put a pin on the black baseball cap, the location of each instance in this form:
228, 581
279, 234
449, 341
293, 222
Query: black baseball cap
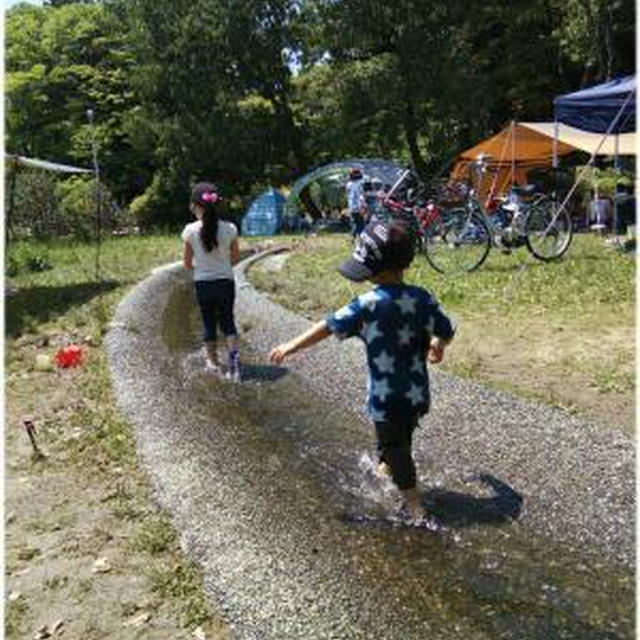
382, 245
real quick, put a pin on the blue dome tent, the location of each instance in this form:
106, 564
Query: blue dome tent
264, 216
386, 171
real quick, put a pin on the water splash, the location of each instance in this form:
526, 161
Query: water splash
377, 491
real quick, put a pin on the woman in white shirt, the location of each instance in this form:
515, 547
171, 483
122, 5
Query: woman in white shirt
210, 250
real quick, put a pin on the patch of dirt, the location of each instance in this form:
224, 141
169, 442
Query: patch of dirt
87, 553
588, 374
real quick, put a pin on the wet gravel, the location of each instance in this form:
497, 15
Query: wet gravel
260, 502
577, 477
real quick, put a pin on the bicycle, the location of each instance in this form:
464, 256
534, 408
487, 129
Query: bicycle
458, 237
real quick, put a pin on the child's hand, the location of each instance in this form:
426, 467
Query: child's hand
436, 350
317, 332
279, 353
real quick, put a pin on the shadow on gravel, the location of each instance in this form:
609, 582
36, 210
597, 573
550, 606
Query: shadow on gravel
262, 373
461, 509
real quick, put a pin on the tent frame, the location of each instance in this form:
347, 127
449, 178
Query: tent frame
46, 165
581, 175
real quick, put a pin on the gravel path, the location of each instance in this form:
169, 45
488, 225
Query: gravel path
257, 477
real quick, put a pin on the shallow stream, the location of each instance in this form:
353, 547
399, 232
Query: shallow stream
487, 574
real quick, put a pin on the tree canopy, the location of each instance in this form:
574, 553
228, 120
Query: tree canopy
255, 92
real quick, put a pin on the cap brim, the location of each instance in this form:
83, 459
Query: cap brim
354, 270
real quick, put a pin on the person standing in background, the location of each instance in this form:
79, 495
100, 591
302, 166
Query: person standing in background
355, 201
210, 251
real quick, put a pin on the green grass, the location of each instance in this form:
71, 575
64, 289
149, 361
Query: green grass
181, 582
590, 281
65, 303
155, 535
70, 290
16, 611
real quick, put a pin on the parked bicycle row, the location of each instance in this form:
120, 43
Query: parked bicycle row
455, 229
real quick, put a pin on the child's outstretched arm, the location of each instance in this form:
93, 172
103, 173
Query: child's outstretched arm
316, 333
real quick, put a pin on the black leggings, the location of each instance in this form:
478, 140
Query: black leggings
215, 299
357, 223
394, 448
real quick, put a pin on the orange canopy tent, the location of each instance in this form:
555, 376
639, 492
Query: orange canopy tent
527, 145
512, 153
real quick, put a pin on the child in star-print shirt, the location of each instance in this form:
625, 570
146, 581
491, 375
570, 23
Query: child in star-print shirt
401, 326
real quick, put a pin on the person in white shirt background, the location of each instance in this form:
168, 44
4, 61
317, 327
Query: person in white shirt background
355, 201
210, 251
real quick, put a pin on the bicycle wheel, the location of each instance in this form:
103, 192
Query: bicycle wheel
548, 232
456, 241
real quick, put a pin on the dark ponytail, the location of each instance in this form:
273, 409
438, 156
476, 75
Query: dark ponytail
206, 195
209, 231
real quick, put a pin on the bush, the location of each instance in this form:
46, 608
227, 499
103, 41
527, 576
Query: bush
604, 181
46, 204
143, 207
25, 256
12, 265
31, 203
78, 206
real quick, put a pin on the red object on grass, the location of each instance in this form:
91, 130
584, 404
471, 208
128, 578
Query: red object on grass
70, 356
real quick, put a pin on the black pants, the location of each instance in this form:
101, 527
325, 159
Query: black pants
357, 223
394, 448
216, 298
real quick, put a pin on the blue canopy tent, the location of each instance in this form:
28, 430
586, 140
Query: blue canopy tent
264, 216
608, 108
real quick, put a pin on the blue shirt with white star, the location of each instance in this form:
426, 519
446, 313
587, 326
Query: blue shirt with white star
396, 323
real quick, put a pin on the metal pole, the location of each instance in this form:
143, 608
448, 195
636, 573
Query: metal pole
96, 171
398, 182
554, 161
12, 199
616, 166
513, 152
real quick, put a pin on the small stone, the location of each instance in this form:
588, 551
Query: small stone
43, 362
138, 621
101, 565
42, 633
14, 596
57, 626
199, 634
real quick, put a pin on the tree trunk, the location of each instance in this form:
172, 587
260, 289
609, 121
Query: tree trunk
411, 133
